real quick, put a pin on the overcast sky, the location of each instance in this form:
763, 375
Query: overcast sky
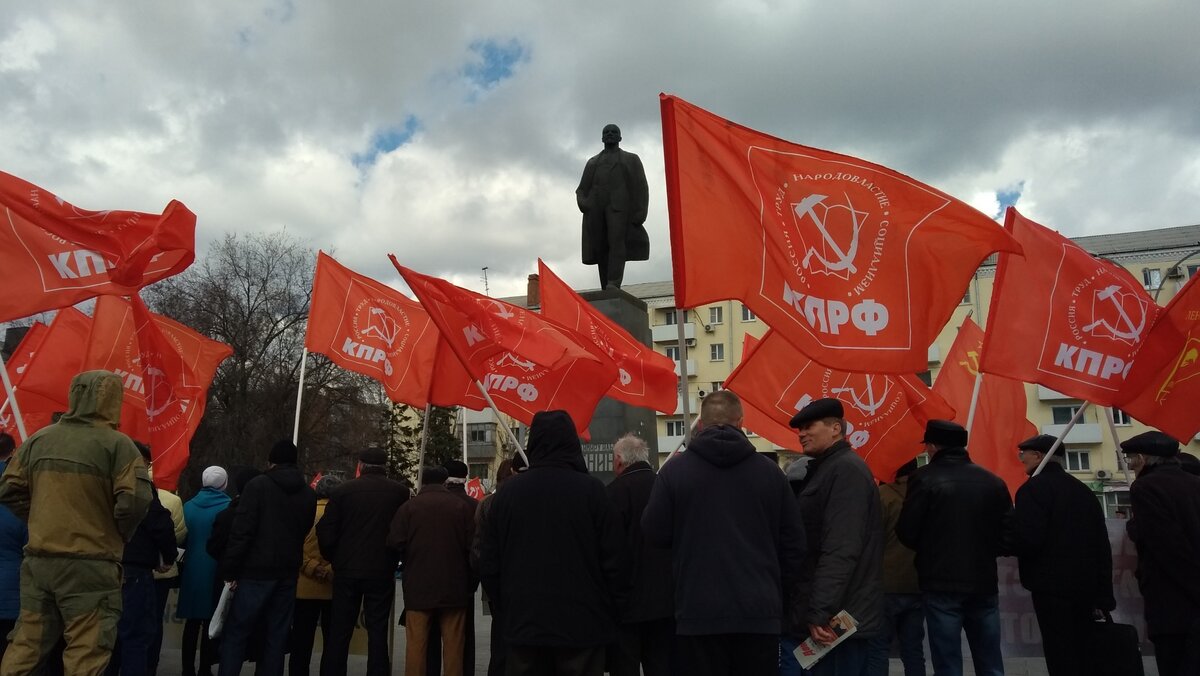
454, 133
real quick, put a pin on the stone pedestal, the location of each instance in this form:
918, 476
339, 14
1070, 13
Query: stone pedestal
613, 419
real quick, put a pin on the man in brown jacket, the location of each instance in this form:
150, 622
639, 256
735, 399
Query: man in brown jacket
433, 533
901, 592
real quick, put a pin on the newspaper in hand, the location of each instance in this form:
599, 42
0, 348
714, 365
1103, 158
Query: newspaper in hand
810, 652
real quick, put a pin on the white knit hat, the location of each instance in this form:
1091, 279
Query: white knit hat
215, 477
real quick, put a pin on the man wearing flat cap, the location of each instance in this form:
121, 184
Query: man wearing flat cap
1165, 528
839, 504
1064, 555
954, 518
352, 536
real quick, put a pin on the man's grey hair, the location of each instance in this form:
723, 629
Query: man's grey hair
631, 448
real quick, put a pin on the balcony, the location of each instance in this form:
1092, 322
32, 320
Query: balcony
1082, 433
693, 406
691, 368
667, 444
1047, 394
935, 354
669, 333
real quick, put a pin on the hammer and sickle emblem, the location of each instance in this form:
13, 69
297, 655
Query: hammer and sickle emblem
383, 327
844, 257
1127, 331
972, 362
868, 401
1185, 369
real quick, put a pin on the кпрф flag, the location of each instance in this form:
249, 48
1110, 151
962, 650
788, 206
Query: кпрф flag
645, 377
54, 254
856, 265
1063, 318
526, 362
43, 385
885, 414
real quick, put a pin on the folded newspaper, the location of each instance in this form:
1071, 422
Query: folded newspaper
810, 652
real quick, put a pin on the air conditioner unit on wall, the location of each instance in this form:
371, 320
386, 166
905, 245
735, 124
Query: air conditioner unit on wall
1103, 474
690, 342
1174, 272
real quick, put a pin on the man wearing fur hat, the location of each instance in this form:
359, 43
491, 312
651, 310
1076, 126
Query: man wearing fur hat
954, 517
263, 557
1166, 530
1064, 555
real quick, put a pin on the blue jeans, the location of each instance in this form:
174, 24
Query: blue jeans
135, 630
849, 658
948, 615
788, 665
269, 602
906, 623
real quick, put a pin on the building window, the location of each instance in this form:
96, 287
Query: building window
1121, 418
967, 297
1079, 461
717, 386
1152, 277
478, 470
748, 314
716, 352
1063, 414
1192, 269
673, 352
669, 317
1116, 501
716, 315
478, 434
675, 428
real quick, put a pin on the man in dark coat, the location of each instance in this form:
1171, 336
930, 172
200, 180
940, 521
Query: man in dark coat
498, 663
262, 558
456, 483
614, 197
550, 557
353, 537
954, 518
1065, 558
733, 527
432, 533
1165, 528
648, 618
840, 507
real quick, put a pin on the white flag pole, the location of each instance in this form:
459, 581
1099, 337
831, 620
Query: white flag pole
512, 437
424, 441
12, 401
683, 376
1112, 428
1058, 442
299, 395
974, 401
464, 412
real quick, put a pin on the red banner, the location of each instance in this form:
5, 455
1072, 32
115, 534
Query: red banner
166, 368
512, 352
56, 254
367, 327
46, 380
885, 414
475, 489
1162, 388
761, 423
1000, 423
1064, 318
17, 366
645, 377
857, 265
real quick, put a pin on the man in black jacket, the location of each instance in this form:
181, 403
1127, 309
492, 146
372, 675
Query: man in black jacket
262, 559
1166, 530
954, 518
456, 484
648, 618
353, 537
551, 558
736, 539
839, 503
1064, 555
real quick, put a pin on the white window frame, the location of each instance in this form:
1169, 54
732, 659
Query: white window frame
716, 315
672, 352
1121, 418
716, 352
675, 427
1078, 460
669, 317
748, 314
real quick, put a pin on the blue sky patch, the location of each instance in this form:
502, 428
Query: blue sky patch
386, 140
494, 63
1007, 197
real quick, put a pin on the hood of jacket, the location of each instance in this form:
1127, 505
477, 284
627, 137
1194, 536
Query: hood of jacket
95, 399
554, 443
288, 477
722, 445
210, 498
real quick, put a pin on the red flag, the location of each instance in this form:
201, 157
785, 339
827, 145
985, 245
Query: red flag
56, 254
367, 327
1162, 388
19, 362
645, 377
526, 362
761, 423
1000, 423
857, 265
475, 489
17, 366
46, 380
315, 479
885, 414
1063, 318
166, 368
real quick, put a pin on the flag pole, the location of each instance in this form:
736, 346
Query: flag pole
512, 437
683, 376
299, 394
683, 444
1058, 442
424, 441
12, 400
974, 400
1112, 428
464, 412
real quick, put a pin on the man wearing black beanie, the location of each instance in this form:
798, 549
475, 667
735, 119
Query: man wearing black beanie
262, 559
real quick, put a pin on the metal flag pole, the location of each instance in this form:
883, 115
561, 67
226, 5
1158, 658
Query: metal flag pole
464, 414
1112, 428
975, 390
683, 376
12, 401
299, 395
512, 437
1058, 442
683, 444
424, 441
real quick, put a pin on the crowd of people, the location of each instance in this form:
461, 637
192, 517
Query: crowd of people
719, 563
